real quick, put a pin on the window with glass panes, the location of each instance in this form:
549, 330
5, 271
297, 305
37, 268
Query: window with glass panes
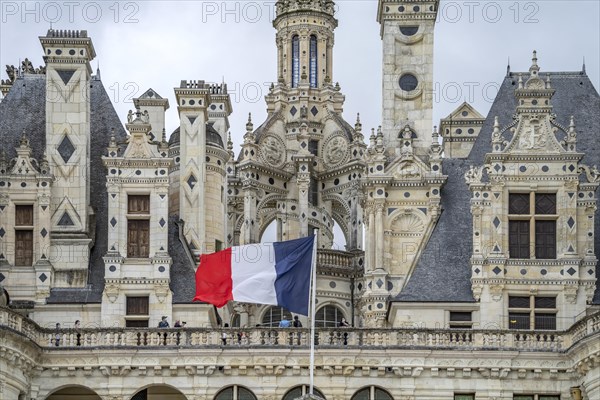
460, 319
235, 393
138, 226
532, 312
313, 61
535, 397
274, 315
532, 225
295, 61
372, 393
300, 391
328, 317
464, 397
24, 235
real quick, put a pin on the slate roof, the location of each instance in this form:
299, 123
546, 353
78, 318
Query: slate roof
24, 108
212, 136
443, 271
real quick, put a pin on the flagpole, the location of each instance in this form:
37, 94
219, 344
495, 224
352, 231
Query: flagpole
312, 312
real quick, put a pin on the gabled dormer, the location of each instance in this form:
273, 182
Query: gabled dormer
533, 215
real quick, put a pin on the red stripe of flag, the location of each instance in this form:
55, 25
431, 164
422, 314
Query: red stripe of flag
213, 278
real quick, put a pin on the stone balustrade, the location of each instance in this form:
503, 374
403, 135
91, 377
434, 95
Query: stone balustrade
427, 339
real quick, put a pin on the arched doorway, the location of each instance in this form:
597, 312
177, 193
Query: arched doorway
235, 393
159, 392
74, 393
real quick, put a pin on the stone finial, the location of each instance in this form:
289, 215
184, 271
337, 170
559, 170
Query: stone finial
372, 138
164, 136
435, 134
358, 125
230, 146
520, 81
3, 162
548, 86
24, 140
534, 65
572, 134
496, 136
44, 165
249, 124
583, 66
130, 117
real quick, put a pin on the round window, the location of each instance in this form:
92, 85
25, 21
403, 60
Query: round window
408, 82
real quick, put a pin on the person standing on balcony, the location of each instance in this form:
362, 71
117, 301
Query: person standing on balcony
284, 323
57, 335
163, 322
296, 323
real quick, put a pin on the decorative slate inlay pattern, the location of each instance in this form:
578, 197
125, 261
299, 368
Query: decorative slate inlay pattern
293, 110
2, 277
113, 222
570, 249
192, 181
544, 272
2, 232
112, 268
66, 75
571, 271
43, 277
496, 222
44, 208
379, 283
314, 111
66, 149
496, 270
192, 120
44, 232
162, 222
590, 271
571, 222
523, 271
65, 220
477, 270
571, 194
2, 208
161, 269
496, 249
162, 196
571, 168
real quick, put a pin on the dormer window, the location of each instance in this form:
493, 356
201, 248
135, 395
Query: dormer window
138, 226
532, 225
24, 235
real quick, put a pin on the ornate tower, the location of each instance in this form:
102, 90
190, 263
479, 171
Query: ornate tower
305, 42
407, 34
302, 166
68, 55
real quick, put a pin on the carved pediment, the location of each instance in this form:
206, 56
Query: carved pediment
534, 134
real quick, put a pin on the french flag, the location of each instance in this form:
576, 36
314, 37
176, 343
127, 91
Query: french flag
263, 273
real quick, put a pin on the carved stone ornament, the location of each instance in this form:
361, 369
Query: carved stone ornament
474, 175
272, 150
336, 150
112, 292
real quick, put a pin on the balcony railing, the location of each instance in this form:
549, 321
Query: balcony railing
544, 341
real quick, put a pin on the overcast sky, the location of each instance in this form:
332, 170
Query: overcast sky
143, 44
156, 44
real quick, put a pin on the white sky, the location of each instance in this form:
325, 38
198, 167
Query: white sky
143, 44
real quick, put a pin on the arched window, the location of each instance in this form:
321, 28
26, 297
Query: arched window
235, 393
236, 321
295, 61
328, 317
313, 61
274, 315
372, 393
300, 391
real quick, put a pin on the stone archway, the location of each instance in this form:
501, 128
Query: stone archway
158, 392
74, 393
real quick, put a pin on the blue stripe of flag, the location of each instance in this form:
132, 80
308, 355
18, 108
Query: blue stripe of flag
293, 262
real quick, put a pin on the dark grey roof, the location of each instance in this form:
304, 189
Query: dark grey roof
183, 272
212, 136
24, 108
443, 272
